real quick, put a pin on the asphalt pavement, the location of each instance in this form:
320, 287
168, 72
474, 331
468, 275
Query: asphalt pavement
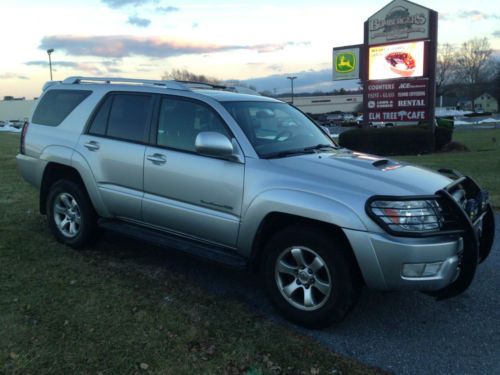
401, 332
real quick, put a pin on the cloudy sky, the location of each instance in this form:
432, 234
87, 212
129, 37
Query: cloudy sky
220, 38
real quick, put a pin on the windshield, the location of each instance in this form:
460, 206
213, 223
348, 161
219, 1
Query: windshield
277, 129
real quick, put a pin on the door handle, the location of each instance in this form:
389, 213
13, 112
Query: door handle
92, 145
157, 158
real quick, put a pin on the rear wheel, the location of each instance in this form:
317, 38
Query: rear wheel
309, 276
70, 214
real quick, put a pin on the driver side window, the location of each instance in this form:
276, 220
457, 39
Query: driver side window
180, 121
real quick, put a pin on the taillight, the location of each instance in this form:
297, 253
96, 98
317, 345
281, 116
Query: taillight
22, 147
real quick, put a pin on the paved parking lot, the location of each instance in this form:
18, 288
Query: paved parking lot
402, 332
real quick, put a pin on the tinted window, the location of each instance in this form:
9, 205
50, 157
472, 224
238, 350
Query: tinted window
180, 121
98, 126
129, 116
56, 105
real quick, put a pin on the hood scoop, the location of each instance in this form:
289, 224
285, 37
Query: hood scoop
386, 164
381, 162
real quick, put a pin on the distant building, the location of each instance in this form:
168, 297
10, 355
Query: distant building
16, 109
326, 103
9, 97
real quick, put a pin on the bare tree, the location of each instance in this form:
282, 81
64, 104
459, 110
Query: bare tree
473, 61
446, 67
185, 75
496, 83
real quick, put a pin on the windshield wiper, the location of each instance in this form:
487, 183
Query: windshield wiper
318, 147
282, 154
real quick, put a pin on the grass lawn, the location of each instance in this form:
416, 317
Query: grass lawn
482, 163
99, 312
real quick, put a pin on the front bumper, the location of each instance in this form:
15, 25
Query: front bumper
391, 262
382, 259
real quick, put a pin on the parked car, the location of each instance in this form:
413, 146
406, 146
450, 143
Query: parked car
374, 124
251, 182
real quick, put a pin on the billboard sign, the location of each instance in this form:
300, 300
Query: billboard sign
399, 70
346, 63
400, 20
396, 61
398, 100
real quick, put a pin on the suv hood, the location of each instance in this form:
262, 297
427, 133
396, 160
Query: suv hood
361, 174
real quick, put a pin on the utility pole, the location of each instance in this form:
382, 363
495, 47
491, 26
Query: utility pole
49, 52
292, 78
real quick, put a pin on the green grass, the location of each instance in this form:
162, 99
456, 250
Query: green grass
101, 311
482, 163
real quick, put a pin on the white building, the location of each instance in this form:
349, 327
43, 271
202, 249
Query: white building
16, 109
484, 102
21, 109
327, 103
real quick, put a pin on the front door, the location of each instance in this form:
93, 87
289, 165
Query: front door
184, 192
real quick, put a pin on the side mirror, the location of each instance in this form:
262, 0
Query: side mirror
214, 144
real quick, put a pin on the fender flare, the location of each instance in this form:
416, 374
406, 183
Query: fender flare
293, 202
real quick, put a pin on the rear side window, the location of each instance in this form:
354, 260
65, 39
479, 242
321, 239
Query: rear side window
98, 126
123, 116
56, 105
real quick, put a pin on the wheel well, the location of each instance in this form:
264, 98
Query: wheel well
277, 221
52, 173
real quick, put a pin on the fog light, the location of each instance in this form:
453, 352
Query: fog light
483, 198
421, 269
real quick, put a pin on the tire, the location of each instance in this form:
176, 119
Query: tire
70, 214
309, 276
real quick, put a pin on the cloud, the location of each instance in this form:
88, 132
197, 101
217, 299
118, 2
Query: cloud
137, 21
275, 67
167, 9
445, 16
273, 47
307, 81
118, 46
477, 15
64, 64
496, 34
12, 76
95, 68
122, 3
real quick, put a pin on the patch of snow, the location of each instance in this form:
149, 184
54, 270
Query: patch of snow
10, 129
460, 122
489, 120
450, 112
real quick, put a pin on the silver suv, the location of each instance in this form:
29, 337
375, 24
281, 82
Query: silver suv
251, 182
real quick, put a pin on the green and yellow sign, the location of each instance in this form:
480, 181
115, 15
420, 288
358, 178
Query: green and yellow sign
345, 63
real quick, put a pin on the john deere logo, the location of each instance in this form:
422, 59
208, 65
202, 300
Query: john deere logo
345, 63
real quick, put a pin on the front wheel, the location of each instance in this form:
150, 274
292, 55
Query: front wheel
70, 214
309, 276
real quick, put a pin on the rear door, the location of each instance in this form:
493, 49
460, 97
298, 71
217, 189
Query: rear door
114, 146
188, 193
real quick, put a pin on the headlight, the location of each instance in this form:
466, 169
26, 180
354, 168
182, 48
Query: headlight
407, 216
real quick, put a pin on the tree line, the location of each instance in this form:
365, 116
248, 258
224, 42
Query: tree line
467, 70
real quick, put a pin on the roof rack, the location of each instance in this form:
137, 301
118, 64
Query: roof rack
148, 82
205, 85
202, 85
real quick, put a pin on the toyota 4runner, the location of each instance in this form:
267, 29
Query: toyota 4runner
251, 182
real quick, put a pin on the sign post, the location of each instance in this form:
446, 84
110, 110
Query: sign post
398, 69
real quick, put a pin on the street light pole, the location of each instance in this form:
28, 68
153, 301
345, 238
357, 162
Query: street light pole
291, 78
49, 52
